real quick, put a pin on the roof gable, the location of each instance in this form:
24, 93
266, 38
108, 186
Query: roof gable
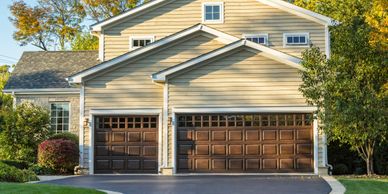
268, 52
280, 4
223, 37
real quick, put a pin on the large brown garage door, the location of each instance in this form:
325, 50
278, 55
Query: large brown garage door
126, 144
245, 143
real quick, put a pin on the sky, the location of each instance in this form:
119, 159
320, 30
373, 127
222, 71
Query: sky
10, 51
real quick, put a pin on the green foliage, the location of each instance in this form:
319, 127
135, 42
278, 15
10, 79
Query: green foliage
12, 174
16, 163
66, 136
23, 128
84, 41
350, 88
40, 170
5, 99
58, 154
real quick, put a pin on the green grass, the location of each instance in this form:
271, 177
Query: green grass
20, 188
365, 185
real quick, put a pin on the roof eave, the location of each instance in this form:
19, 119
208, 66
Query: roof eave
43, 91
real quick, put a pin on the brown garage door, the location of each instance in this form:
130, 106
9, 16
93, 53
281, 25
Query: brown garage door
245, 143
126, 144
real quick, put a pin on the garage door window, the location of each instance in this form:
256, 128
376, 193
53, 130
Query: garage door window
60, 116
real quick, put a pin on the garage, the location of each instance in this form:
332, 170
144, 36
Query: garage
126, 144
244, 143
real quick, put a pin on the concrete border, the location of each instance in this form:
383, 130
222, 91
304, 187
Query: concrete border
109, 192
336, 186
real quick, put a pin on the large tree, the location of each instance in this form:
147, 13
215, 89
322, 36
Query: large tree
49, 25
350, 88
32, 25
99, 10
84, 41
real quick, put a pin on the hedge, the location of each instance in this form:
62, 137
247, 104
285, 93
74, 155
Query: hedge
12, 174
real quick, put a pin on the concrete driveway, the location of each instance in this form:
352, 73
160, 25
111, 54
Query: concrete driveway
200, 184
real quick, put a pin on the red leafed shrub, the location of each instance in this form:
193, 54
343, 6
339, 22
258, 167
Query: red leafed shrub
58, 154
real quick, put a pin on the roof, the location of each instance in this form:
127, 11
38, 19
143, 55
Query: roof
161, 76
223, 37
280, 4
49, 69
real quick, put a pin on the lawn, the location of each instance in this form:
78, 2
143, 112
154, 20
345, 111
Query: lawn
20, 188
365, 185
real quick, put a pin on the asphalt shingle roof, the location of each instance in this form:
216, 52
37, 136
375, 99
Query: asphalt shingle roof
41, 69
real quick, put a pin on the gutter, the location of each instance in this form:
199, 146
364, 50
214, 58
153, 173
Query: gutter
43, 91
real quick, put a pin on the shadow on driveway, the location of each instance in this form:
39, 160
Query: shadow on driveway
200, 184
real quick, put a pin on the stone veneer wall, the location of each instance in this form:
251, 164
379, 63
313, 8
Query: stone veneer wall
45, 100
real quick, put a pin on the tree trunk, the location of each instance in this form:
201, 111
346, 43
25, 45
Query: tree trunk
369, 165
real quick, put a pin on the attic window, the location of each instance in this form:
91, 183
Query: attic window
140, 41
296, 39
213, 12
257, 38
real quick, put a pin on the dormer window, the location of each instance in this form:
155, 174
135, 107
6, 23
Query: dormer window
213, 12
257, 38
296, 39
140, 41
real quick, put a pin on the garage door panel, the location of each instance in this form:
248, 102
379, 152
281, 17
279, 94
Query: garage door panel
244, 143
126, 144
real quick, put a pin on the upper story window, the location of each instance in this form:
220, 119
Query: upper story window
140, 41
296, 39
213, 12
257, 38
60, 116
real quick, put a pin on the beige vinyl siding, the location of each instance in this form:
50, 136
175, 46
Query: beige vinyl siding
131, 86
241, 17
243, 78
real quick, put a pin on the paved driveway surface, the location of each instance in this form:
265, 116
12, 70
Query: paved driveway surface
200, 184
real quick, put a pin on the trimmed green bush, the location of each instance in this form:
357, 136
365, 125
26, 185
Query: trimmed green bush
58, 154
40, 170
17, 163
12, 174
340, 169
66, 136
22, 130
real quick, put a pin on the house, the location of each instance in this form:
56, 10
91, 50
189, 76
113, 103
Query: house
187, 86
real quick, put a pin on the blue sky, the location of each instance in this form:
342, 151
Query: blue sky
10, 51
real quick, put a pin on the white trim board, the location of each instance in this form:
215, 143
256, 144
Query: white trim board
77, 78
161, 76
137, 111
293, 9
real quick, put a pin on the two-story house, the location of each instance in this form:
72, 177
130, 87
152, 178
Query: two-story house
186, 86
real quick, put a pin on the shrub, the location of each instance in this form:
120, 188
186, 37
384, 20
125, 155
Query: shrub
16, 163
12, 174
66, 136
40, 170
58, 154
23, 129
340, 169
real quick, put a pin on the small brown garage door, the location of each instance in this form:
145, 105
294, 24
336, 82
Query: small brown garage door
245, 143
126, 144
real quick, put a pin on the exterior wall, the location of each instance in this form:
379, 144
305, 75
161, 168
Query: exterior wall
241, 17
45, 100
240, 79
130, 86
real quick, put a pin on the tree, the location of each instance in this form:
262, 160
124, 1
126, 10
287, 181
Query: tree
349, 90
49, 22
84, 41
31, 24
99, 10
5, 99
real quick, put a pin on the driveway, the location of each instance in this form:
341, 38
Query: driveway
200, 184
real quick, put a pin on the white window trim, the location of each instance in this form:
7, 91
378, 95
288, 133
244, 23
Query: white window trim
285, 35
141, 37
258, 35
221, 20
63, 102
